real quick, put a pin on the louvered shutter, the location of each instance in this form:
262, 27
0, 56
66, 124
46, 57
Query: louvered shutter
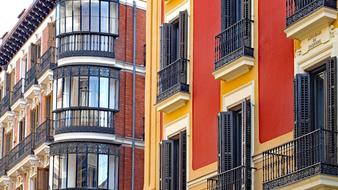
8, 83
165, 44
183, 34
34, 55
182, 160
246, 9
226, 14
331, 112
166, 165
246, 143
225, 141
302, 105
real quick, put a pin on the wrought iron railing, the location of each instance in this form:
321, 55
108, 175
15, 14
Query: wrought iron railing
3, 166
84, 120
5, 104
21, 150
172, 79
18, 90
86, 44
299, 9
238, 178
234, 42
43, 133
30, 77
48, 61
305, 156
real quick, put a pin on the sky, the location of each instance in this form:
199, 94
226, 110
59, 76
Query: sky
9, 12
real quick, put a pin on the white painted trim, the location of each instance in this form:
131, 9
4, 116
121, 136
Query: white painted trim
78, 60
140, 4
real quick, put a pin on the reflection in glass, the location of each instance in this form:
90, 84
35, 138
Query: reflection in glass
85, 15
71, 170
57, 20
59, 93
114, 18
104, 16
75, 91
66, 92
77, 15
83, 91
56, 172
62, 18
113, 175
113, 93
92, 170
95, 16
81, 170
104, 91
93, 91
103, 172
69, 21
63, 171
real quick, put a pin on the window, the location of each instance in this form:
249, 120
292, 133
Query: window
85, 15
173, 162
89, 165
95, 16
234, 11
77, 15
22, 130
174, 40
319, 88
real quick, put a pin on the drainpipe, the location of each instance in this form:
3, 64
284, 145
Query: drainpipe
134, 97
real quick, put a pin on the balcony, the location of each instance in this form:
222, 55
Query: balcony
22, 155
234, 51
173, 90
84, 119
44, 133
45, 70
311, 158
5, 108
86, 44
237, 179
18, 102
305, 16
32, 89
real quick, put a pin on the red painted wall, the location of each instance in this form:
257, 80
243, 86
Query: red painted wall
206, 102
275, 58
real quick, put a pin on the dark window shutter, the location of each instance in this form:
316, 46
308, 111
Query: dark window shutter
246, 142
183, 34
165, 44
183, 160
246, 9
302, 105
166, 150
34, 55
226, 13
8, 83
225, 141
331, 69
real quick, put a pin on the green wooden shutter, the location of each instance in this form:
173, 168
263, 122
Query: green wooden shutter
182, 160
302, 105
225, 141
166, 149
183, 34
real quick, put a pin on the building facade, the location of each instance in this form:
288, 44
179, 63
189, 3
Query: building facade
241, 94
66, 96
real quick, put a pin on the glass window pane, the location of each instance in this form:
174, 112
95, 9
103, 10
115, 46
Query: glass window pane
59, 94
114, 18
54, 94
57, 19
71, 170
104, 16
81, 170
95, 15
62, 17
66, 92
63, 171
94, 92
92, 170
113, 170
103, 169
85, 15
113, 94
69, 7
83, 91
104, 92
75, 91
56, 172
77, 15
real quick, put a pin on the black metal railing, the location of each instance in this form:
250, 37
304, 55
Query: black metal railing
86, 44
44, 133
305, 156
84, 120
21, 150
5, 104
233, 43
48, 61
238, 178
3, 166
299, 9
18, 90
172, 79
30, 77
